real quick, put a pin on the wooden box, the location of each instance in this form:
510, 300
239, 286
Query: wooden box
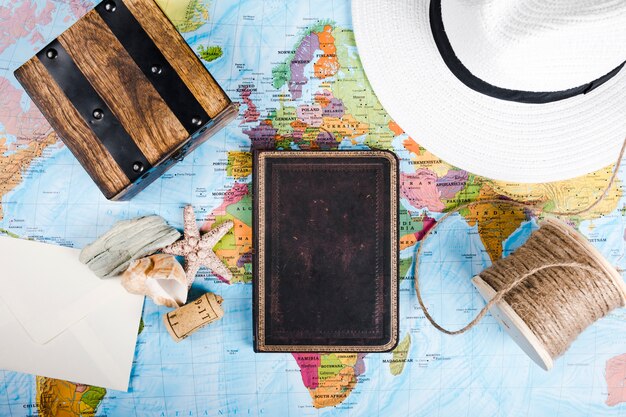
126, 94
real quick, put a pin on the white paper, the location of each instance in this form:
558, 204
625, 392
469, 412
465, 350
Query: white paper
57, 319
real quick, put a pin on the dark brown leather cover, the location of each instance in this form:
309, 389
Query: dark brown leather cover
326, 251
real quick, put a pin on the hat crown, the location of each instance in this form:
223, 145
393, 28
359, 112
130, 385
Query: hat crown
537, 45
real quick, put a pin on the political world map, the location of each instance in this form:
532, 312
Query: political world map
293, 67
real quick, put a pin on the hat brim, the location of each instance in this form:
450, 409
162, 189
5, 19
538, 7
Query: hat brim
503, 140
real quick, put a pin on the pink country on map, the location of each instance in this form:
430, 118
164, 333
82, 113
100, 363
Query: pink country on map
330, 378
231, 196
78, 9
332, 106
420, 189
29, 20
615, 374
32, 135
310, 115
25, 124
413, 229
21, 119
451, 183
235, 248
323, 97
251, 114
309, 363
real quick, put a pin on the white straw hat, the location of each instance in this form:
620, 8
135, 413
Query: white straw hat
515, 90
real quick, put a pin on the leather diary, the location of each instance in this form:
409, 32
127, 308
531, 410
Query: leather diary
326, 251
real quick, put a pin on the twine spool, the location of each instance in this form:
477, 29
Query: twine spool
548, 299
549, 290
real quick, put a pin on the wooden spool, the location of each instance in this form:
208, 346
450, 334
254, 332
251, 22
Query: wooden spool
513, 324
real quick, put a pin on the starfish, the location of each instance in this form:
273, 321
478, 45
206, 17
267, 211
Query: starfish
198, 250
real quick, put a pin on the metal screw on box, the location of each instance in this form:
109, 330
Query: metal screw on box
110, 6
138, 167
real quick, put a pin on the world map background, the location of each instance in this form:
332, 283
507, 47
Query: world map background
293, 66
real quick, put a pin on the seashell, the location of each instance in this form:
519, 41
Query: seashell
159, 277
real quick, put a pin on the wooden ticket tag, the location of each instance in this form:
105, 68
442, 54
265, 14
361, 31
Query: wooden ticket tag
185, 320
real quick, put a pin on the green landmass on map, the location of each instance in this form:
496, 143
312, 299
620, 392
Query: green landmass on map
399, 356
186, 15
210, 53
405, 265
6, 232
93, 396
242, 210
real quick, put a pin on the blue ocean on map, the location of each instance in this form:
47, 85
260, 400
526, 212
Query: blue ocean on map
215, 372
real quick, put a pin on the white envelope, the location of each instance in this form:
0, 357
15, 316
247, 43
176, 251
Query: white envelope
57, 319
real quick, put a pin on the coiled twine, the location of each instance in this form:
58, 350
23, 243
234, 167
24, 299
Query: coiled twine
549, 290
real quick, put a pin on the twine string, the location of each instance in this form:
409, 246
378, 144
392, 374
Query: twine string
501, 294
507, 288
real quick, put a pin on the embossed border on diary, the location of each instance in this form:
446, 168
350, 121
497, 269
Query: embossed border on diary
374, 173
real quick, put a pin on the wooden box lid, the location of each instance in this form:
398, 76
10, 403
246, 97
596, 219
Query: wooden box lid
125, 93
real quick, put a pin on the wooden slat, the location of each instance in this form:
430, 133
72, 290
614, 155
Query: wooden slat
74, 131
123, 86
189, 68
